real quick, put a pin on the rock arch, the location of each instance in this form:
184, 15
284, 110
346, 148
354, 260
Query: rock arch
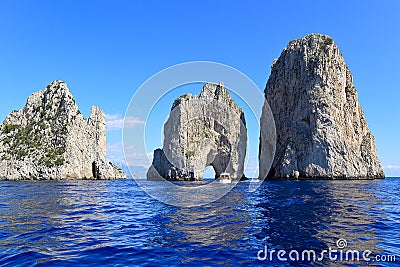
205, 130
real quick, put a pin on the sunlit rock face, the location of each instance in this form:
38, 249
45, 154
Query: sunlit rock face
320, 125
205, 130
50, 139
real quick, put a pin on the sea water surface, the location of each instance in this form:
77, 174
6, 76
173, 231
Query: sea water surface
115, 223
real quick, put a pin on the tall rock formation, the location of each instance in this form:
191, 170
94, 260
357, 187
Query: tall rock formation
320, 125
205, 130
50, 139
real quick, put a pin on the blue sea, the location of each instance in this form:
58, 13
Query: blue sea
115, 223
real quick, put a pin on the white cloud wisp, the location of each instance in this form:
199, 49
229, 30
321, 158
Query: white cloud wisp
116, 122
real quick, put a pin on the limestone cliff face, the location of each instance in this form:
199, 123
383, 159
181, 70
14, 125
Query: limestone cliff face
320, 125
204, 130
50, 139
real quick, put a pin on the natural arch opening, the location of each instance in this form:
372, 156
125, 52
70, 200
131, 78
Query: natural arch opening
209, 173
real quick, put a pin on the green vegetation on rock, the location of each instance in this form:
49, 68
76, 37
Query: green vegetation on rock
189, 153
8, 128
41, 135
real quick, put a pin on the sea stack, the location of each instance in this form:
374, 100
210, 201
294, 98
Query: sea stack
320, 125
50, 139
205, 130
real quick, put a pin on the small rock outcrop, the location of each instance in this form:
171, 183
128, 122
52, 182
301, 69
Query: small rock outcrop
205, 130
320, 125
50, 139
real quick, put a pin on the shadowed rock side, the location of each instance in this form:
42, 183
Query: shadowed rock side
201, 131
320, 125
50, 139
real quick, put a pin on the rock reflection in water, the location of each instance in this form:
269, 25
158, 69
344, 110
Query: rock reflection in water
117, 223
307, 215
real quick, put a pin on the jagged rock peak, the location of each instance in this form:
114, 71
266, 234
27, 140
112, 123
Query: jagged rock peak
58, 92
313, 40
320, 125
50, 139
211, 91
215, 91
201, 131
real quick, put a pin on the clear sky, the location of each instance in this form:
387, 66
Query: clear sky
105, 50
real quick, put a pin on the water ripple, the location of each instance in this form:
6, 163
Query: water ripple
115, 223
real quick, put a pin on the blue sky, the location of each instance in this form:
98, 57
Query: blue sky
105, 50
